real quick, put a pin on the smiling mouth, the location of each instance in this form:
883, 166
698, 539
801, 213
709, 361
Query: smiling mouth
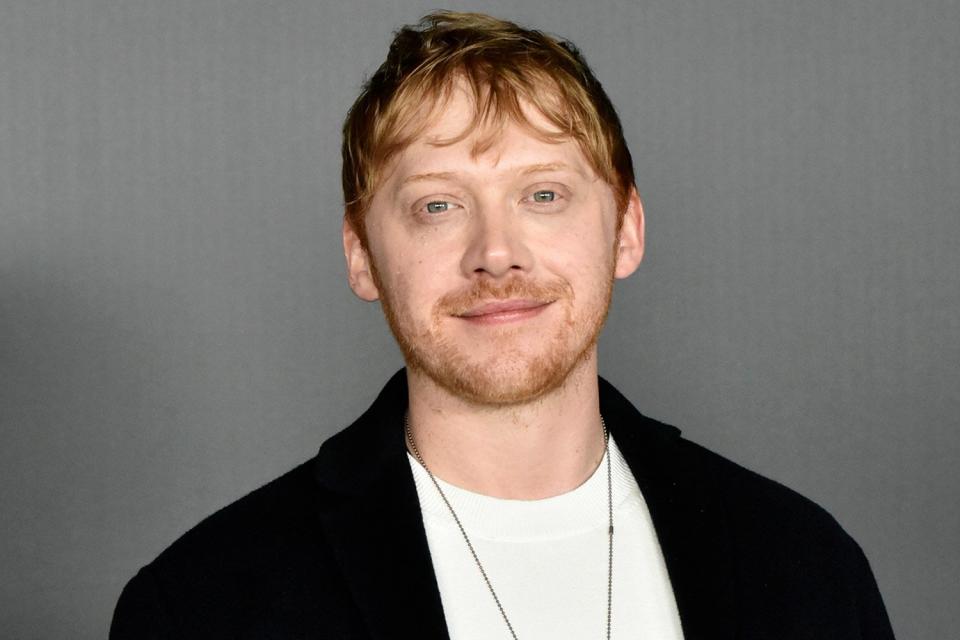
504, 311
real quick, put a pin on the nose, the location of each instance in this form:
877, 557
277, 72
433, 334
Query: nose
496, 246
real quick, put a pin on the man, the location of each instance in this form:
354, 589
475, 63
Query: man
497, 487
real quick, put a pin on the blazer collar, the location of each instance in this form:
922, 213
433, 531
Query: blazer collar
687, 514
371, 517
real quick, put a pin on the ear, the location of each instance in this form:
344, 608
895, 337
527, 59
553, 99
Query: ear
359, 267
630, 243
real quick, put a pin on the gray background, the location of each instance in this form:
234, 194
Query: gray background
176, 329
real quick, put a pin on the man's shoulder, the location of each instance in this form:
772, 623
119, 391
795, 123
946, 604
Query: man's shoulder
265, 554
280, 520
262, 552
777, 535
752, 495
260, 534
764, 521
763, 552
281, 507
756, 509
685, 470
283, 511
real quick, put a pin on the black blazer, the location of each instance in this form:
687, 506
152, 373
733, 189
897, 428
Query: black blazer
336, 548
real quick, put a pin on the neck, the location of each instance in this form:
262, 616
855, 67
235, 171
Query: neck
529, 451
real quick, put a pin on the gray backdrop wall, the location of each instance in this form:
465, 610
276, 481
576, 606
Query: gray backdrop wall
176, 329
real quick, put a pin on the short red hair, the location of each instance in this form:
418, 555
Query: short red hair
504, 66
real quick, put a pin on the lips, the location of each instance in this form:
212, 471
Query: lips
489, 302
504, 308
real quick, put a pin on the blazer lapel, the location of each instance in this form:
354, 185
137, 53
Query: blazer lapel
371, 517
687, 516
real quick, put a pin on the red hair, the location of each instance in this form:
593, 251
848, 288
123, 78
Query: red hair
504, 66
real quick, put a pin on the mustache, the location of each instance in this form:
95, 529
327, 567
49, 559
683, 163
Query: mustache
484, 290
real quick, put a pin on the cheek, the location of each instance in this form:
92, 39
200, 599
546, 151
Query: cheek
414, 293
413, 273
582, 251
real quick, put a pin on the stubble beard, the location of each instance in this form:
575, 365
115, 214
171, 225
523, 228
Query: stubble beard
511, 376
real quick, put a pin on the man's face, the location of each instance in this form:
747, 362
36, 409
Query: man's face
494, 270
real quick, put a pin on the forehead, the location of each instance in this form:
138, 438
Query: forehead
456, 134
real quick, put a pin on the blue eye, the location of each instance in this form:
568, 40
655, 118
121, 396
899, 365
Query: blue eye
544, 196
437, 206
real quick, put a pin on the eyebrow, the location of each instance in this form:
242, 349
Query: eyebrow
523, 171
423, 177
545, 167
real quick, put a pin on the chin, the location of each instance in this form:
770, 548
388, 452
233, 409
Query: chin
513, 369
505, 380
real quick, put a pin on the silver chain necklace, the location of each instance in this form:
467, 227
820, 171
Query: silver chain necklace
466, 538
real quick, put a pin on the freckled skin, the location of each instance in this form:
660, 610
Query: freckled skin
468, 229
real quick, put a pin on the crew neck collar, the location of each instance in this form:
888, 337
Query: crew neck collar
485, 517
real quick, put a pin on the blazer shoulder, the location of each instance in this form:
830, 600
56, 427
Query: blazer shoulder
790, 549
752, 498
673, 466
255, 554
280, 508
